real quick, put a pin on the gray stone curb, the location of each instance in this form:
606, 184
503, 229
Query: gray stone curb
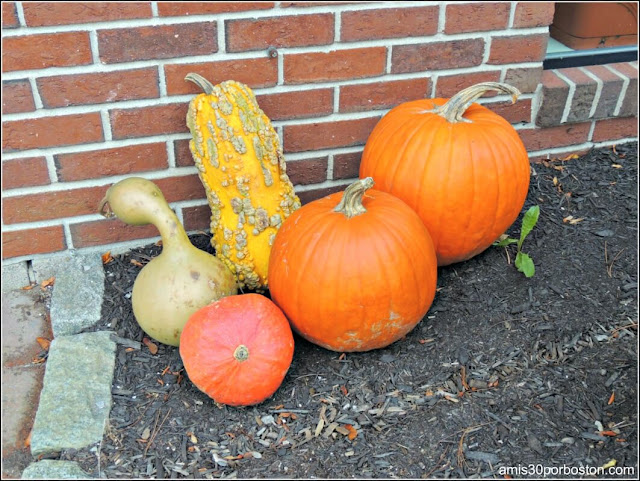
75, 400
76, 396
51, 469
14, 276
78, 290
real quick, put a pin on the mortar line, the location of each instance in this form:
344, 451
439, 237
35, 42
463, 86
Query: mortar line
623, 91
599, 87
171, 154
52, 170
569, 101
591, 129
330, 161
67, 234
37, 98
106, 125
20, 14
94, 47
512, 14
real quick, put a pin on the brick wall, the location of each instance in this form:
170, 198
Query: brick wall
94, 92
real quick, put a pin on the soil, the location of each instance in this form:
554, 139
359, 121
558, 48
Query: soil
505, 375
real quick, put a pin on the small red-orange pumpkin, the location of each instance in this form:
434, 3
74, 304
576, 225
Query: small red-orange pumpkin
354, 271
238, 349
460, 166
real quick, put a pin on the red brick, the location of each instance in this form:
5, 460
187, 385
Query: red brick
630, 102
307, 171
17, 97
524, 79
186, 187
554, 94
476, 17
108, 162
182, 153
577, 76
255, 72
611, 88
95, 88
51, 131
626, 69
533, 14
52, 205
346, 166
109, 231
311, 195
334, 65
25, 172
382, 95
42, 240
520, 112
389, 23
179, 9
197, 218
583, 96
614, 129
289, 31
298, 104
554, 137
9, 15
437, 55
516, 49
157, 42
146, 121
39, 14
326, 135
449, 85
27, 52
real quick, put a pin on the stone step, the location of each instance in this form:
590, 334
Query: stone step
76, 396
76, 302
52, 469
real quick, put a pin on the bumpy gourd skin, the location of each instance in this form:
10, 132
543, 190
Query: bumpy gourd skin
241, 165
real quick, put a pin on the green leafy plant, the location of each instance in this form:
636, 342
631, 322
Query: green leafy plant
523, 262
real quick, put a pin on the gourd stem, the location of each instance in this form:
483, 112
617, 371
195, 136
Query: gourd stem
454, 109
200, 81
351, 203
241, 353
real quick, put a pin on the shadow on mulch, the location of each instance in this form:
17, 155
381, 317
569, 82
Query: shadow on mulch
505, 375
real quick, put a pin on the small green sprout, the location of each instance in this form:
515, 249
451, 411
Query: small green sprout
523, 262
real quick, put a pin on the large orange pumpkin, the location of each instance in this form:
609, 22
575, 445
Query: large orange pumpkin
460, 166
354, 271
237, 350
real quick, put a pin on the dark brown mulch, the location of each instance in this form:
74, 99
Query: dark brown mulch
504, 372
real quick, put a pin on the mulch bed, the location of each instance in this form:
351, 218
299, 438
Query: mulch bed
504, 371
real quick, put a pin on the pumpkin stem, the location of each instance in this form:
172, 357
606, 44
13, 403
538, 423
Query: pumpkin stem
201, 82
454, 109
351, 203
241, 353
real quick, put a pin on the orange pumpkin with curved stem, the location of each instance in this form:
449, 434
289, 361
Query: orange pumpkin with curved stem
460, 166
237, 350
354, 271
